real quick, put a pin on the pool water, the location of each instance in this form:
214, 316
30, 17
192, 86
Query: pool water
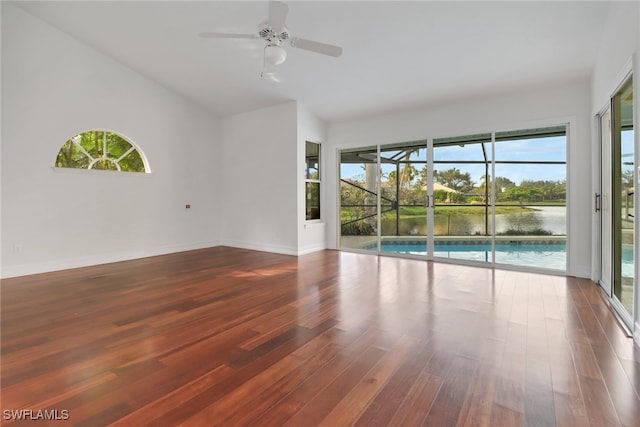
552, 256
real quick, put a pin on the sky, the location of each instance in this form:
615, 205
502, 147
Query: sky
538, 149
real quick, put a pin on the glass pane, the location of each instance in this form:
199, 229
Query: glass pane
359, 199
542, 149
312, 161
462, 204
116, 146
132, 162
313, 200
546, 144
92, 142
403, 182
623, 196
105, 165
71, 156
530, 193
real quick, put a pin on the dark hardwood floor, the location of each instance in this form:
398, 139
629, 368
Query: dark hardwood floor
234, 337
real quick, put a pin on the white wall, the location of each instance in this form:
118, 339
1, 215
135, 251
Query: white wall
619, 42
618, 54
311, 235
55, 87
515, 111
259, 179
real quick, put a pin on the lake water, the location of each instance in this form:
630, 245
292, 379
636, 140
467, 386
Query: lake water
551, 219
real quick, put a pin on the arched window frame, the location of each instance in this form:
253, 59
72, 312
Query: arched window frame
93, 160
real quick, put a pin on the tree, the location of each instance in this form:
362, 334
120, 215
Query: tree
455, 180
550, 190
523, 194
501, 184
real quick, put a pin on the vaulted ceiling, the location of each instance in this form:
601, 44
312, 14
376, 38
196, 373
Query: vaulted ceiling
397, 55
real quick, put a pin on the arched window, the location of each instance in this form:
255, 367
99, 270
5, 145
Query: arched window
101, 150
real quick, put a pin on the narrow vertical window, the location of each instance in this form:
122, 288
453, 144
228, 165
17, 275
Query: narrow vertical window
312, 180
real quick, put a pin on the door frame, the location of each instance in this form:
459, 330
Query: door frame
627, 319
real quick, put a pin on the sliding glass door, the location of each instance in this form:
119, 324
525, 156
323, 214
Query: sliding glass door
403, 172
359, 199
623, 195
399, 199
616, 202
463, 212
531, 194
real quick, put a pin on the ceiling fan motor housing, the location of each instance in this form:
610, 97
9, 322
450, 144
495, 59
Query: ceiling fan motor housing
267, 33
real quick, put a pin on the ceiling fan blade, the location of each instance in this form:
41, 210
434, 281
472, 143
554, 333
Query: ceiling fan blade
277, 15
323, 48
209, 35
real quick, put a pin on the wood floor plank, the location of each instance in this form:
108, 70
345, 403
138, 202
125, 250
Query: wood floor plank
360, 396
225, 336
380, 412
447, 408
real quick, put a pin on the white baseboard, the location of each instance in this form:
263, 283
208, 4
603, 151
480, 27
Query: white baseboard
50, 266
311, 249
284, 250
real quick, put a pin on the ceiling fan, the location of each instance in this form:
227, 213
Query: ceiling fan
274, 32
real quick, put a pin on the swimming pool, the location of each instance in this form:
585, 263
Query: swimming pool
541, 254
545, 255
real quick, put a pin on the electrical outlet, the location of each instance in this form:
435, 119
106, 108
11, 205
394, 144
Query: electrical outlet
17, 249
187, 206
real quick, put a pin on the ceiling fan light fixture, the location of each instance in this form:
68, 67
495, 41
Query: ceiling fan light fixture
274, 54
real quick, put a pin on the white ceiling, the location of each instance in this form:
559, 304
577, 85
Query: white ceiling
397, 55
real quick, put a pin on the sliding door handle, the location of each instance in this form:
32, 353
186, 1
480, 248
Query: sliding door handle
429, 201
597, 202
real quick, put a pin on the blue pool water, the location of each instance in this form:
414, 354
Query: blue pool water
551, 256
412, 248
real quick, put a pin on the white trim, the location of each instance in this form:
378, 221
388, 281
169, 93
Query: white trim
569, 130
47, 267
314, 181
379, 195
596, 188
636, 334
310, 249
284, 250
56, 169
430, 211
313, 223
621, 312
338, 197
